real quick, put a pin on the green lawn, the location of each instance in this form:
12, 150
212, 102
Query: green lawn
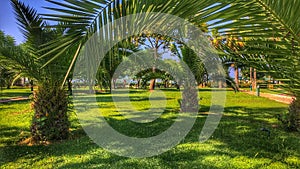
276, 91
14, 92
272, 91
238, 141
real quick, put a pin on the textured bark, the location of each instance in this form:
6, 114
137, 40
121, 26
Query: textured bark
236, 79
254, 80
50, 120
152, 82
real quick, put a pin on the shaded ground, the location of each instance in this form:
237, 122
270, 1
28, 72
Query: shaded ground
14, 99
14, 94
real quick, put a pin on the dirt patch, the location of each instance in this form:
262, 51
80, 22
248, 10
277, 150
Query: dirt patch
13, 99
276, 97
31, 142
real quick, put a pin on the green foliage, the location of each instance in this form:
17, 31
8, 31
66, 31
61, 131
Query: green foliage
148, 74
194, 63
50, 120
7, 76
267, 29
28, 57
50, 103
110, 63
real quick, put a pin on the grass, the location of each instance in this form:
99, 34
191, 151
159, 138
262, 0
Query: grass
238, 141
271, 91
14, 92
275, 91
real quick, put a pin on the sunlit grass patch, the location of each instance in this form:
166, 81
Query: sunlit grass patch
238, 141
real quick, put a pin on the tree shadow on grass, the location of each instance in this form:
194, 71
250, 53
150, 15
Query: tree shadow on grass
10, 135
109, 99
251, 133
14, 94
238, 134
162, 161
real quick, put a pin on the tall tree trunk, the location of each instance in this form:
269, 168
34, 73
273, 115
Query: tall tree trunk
251, 78
138, 83
152, 84
236, 76
50, 120
152, 81
114, 83
23, 81
177, 84
124, 83
165, 84
31, 85
70, 87
254, 79
220, 84
91, 87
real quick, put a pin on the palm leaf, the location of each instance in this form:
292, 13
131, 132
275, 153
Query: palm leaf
256, 21
37, 33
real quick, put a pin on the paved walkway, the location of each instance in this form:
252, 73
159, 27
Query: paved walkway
13, 99
277, 97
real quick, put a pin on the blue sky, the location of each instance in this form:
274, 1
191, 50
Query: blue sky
7, 19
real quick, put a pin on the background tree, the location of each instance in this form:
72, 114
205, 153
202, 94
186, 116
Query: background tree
195, 64
265, 22
111, 61
7, 76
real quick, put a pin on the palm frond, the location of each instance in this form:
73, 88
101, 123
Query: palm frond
29, 22
260, 23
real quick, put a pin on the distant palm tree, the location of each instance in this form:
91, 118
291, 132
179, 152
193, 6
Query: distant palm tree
263, 20
259, 23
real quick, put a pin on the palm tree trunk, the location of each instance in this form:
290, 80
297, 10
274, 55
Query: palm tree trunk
220, 84
50, 120
152, 82
251, 78
114, 83
138, 83
254, 79
31, 85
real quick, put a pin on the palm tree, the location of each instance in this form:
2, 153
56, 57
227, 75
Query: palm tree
111, 62
194, 63
50, 102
